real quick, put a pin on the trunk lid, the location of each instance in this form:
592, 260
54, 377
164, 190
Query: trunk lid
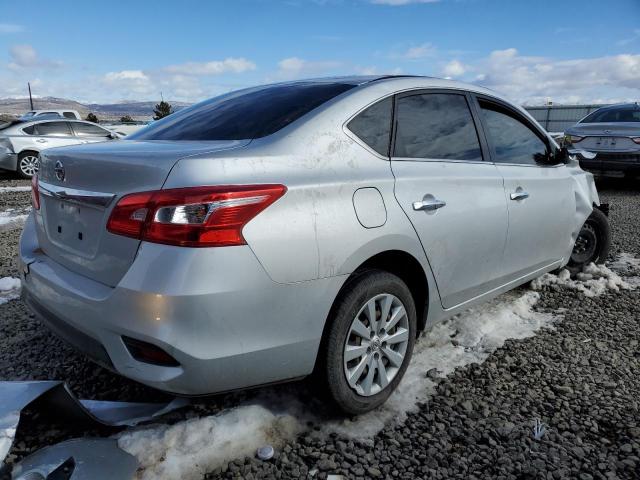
80, 185
614, 136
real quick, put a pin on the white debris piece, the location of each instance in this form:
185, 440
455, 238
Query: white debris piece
9, 289
594, 280
189, 449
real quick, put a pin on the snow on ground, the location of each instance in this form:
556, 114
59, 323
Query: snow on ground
594, 280
9, 289
13, 218
188, 449
15, 189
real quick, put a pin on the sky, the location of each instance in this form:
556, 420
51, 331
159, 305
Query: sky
573, 51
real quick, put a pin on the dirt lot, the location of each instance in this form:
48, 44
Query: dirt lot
580, 378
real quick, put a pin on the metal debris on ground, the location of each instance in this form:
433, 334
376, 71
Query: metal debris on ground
265, 453
55, 397
538, 429
78, 459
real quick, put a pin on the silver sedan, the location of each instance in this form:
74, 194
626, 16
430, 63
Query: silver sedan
21, 142
311, 226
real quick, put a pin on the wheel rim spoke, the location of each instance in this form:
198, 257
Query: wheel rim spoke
353, 352
371, 315
367, 383
396, 315
385, 307
383, 379
394, 357
402, 335
360, 329
355, 374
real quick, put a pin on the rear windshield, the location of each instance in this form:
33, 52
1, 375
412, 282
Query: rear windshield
244, 115
613, 115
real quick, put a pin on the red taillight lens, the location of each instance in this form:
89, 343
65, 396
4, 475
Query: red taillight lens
192, 217
35, 193
636, 140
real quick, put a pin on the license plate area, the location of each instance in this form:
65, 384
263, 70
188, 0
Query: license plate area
72, 226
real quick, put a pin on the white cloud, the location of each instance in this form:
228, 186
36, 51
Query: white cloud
534, 79
398, 3
420, 51
635, 36
129, 82
216, 67
295, 67
6, 28
455, 68
25, 56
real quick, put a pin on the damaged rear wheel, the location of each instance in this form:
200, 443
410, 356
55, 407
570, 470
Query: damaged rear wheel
593, 242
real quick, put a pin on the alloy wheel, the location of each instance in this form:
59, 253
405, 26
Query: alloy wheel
29, 165
376, 344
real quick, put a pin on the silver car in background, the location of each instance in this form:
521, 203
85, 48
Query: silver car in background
21, 142
613, 134
311, 226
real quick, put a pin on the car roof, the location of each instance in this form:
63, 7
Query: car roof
620, 105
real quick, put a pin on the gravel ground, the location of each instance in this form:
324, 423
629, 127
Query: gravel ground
581, 380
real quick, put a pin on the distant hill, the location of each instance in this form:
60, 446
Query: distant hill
107, 111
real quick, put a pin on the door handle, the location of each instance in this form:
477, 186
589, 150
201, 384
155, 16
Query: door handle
40, 140
429, 205
519, 195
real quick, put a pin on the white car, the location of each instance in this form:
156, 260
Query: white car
21, 142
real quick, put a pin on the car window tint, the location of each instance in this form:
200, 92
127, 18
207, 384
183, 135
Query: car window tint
69, 115
373, 126
436, 125
52, 128
89, 130
614, 115
512, 140
243, 115
30, 130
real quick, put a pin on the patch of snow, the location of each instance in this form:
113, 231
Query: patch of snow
8, 424
594, 280
9, 289
189, 449
192, 447
12, 218
15, 189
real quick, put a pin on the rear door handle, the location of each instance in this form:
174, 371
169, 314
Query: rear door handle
519, 195
429, 205
41, 140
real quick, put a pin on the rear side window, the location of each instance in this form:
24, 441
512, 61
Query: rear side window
29, 130
373, 126
88, 130
244, 115
52, 128
436, 125
614, 115
69, 115
512, 140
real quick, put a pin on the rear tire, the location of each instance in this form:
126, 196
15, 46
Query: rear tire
28, 164
593, 242
362, 361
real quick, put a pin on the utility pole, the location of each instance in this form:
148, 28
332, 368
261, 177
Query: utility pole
30, 97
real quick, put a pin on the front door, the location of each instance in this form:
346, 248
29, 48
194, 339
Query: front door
540, 196
454, 199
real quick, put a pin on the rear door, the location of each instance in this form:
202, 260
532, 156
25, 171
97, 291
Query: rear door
53, 134
90, 133
540, 196
454, 199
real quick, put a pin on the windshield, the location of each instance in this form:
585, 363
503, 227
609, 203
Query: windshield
614, 115
243, 115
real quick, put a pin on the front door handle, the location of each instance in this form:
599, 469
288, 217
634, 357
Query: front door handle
41, 140
429, 204
519, 195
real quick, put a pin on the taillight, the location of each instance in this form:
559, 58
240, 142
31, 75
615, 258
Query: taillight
636, 140
194, 216
35, 193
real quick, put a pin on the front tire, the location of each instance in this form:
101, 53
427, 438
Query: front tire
593, 242
369, 342
28, 164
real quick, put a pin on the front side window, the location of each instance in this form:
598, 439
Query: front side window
437, 126
244, 115
512, 140
52, 128
373, 126
89, 130
614, 115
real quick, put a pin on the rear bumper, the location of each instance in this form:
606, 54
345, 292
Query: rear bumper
610, 163
8, 160
215, 311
